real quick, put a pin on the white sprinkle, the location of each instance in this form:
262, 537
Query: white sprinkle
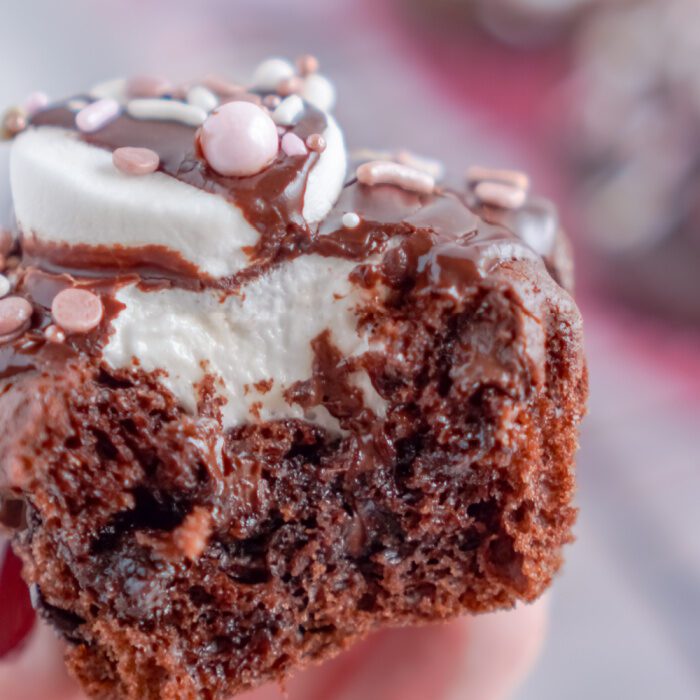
514, 178
498, 194
271, 72
289, 111
115, 89
166, 110
319, 91
351, 220
199, 96
5, 286
427, 165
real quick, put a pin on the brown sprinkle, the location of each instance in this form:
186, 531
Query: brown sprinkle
14, 121
316, 142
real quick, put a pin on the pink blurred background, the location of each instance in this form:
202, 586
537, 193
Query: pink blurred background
601, 104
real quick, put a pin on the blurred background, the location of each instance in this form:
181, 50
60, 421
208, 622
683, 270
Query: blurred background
600, 101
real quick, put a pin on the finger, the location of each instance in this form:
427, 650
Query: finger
36, 670
481, 658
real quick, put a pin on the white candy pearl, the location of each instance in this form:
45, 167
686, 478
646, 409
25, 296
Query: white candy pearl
319, 91
289, 111
199, 96
271, 72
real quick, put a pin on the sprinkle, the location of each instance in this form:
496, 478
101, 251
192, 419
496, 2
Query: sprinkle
77, 310
147, 86
272, 101
289, 86
76, 105
35, 102
166, 110
515, 178
247, 97
427, 165
15, 313
319, 91
115, 89
382, 172
5, 286
271, 72
239, 139
316, 142
221, 86
307, 64
292, 145
135, 161
500, 195
289, 111
351, 220
200, 96
54, 334
14, 121
97, 115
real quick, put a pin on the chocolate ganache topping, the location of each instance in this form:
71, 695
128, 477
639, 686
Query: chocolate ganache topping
390, 218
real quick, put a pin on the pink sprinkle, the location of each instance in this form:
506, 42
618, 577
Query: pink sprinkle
384, 172
147, 86
97, 115
307, 64
15, 313
35, 103
281, 130
54, 334
289, 86
77, 310
316, 142
292, 145
136, 161
221, 86
239, 139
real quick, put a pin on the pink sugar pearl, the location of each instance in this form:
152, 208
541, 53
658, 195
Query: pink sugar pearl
77, 310
15, 312
239, 139
135, 161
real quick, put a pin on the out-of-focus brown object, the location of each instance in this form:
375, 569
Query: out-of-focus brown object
634, 139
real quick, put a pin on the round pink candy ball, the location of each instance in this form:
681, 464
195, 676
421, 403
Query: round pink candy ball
239, 139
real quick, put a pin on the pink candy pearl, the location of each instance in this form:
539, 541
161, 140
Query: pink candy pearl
292, 145
239, 139
135, 161
96, 115
77, 310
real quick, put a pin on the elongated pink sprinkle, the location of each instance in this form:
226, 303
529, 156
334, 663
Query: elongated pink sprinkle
292, 145
385, 172
147, 86
97, 115
35, 102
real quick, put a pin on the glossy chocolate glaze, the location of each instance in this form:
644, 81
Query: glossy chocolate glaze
443, 242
